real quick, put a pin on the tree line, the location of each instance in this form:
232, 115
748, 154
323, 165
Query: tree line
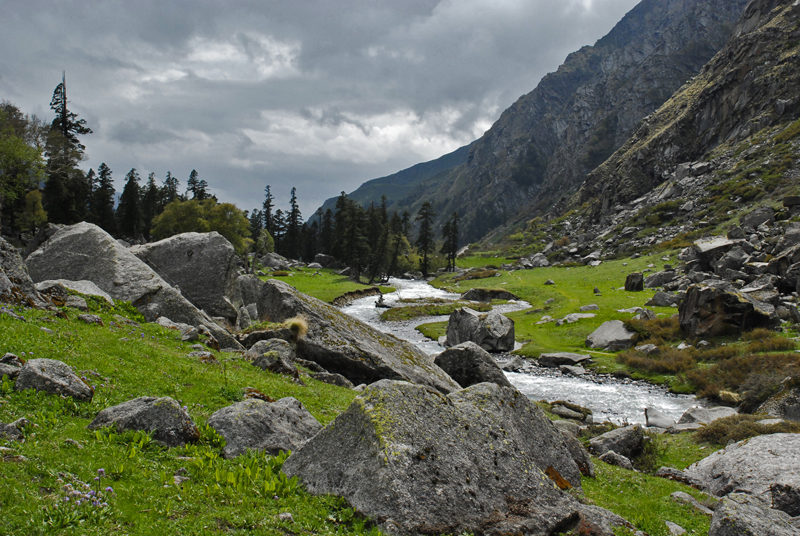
40, 182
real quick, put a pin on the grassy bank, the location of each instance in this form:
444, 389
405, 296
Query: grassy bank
323, 284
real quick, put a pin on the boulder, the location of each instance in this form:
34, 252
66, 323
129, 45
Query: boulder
662, 299
627, 441
487, 295
634, 282
590, 307
555, 360
13, 431
757, 217
16, 285
53, 377
203, 265
276, 262
468, 364
538, 261
670, 473
740, 514
333, 379
611, 336
733, 260
612, 458
705, 415
169, 423
258, 425
279, 346
764, 466
659, 279
493, 332
579, 454
418, 462
343, 345
717, 308
783, 405
574, 317
85, 252
76, 302
326, 261
10, 365
656, 419
87, 288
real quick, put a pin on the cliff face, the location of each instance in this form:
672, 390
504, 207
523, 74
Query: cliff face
751, 84
543, 146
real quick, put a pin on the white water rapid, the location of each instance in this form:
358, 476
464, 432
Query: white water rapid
619, 401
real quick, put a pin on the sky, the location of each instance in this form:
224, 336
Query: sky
320, 95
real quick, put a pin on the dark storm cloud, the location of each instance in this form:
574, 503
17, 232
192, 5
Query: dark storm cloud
313, 94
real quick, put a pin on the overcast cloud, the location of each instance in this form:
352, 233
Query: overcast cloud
320, 95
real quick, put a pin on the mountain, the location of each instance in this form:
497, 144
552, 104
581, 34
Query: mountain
398, 187
750, 86
541, 149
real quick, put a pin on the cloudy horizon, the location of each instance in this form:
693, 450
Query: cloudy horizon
316, 95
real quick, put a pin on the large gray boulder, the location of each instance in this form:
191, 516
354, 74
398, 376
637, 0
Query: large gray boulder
659, 279
263, 426
469, 364
717, 308
611, 336
53, 377
86, 252
204, 267
493, 332
627, 441
783, 405
765, 466
740, 514
163, 417
10, 365
343, 345
418, 462
16, 285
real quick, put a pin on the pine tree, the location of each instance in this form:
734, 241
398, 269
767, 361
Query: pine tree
129, 211
150, 202
197, 187
267, 206
293, 246
354, 247
379, 238
103, 200
256, 223
169, 192
398, 243
450, 244
310, 241
66, 196
425, 242
278, 231
326, 232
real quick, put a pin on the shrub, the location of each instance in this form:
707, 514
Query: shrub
280, 273
669, 361
298, 326
657, 331
740, 427
481, 274
736, 373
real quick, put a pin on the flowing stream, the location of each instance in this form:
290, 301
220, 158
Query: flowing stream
619, 401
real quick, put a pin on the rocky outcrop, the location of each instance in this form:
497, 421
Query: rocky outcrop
468, 364
492, 331
557, 359
656, 419
343, 345
53, 377
169, 423
10, 366
764, 466
418, 462
85, 252
258, 425
202, 265
634, 282
16, 285
783, 405
740, 514
717, 308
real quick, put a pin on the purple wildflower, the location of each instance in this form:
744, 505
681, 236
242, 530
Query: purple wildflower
109, 489
101, 472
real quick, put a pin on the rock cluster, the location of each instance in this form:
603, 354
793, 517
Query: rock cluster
491, 331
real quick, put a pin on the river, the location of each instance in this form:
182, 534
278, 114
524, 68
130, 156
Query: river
619, 401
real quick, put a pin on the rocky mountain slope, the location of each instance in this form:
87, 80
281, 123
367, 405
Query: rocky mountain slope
732, 114
542, 147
